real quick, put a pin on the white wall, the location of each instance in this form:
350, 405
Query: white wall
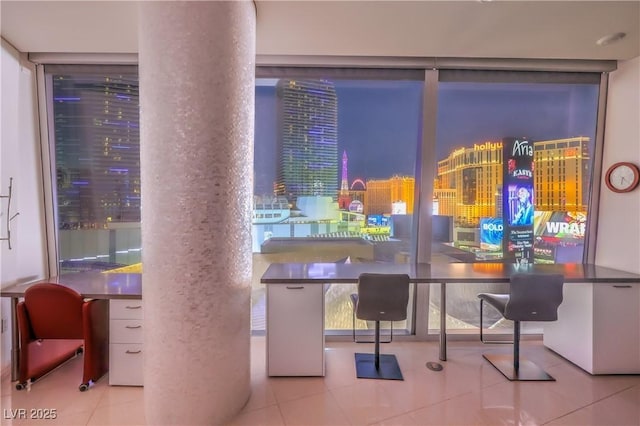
19, 159
618, 244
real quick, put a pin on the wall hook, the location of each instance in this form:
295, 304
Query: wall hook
9, 217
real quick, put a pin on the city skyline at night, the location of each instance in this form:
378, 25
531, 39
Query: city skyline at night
378, 121
378, 126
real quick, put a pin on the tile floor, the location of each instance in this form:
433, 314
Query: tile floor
469, 391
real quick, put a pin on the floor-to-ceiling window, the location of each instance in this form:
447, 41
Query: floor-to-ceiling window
514, 157
94, 121
335, 162
338, 173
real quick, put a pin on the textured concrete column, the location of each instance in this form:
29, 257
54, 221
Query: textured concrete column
197, 78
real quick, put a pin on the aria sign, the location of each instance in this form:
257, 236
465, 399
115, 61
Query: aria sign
517, 199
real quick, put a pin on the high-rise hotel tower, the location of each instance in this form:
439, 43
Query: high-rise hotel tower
97, 140
468, 181
308, 139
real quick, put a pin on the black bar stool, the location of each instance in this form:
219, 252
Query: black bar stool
532, 297
381, 297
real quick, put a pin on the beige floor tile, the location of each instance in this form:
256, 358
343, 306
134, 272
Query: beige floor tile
268, 416
464, 409
25, 399
368, 402
411, 355
403, 420
340, 367
537, 402
125, 414
261, 396
289, 388
321, 409
423, 388
258, 356
468, 391
458, 377
58, 392
620, 409
6, 386
582, 387
114, 395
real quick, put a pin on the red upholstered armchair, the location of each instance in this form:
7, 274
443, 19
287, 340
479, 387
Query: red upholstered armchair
55, 324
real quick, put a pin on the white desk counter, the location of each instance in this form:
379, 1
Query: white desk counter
600, 311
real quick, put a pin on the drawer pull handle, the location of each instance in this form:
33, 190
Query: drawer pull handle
295, 287
133, 352
133, 307
133, 326
621, 286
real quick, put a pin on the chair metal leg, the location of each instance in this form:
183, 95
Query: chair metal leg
482, 339
353, 322
353, 332
516, 346
512, 367
377, 366
377, 345
481, 321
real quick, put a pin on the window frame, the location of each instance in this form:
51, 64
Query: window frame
426, 161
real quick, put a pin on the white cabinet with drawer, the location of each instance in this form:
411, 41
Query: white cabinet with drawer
125, 342
295, 330
597, 327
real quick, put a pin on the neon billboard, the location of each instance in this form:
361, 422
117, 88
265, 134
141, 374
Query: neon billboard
491, 233
518, 199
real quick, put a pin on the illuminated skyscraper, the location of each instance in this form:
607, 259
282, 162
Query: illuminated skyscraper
469, 179
308, 139
382, 193
562, 174
97, 142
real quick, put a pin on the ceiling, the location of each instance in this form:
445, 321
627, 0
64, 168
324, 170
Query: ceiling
458, 29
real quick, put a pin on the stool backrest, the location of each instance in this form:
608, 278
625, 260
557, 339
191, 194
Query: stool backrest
534, 297
382, 297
